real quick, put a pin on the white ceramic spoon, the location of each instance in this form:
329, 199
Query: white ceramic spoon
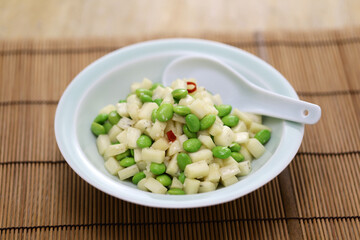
234, 88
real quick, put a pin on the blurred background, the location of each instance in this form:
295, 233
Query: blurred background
139, 18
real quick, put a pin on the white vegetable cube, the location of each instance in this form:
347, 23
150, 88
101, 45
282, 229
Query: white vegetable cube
201, 108
243, 117
159, 92
179, 84
240, 127
178, 118
217, 127
168, 98
113, 132
207, 186
255, 117
245, 152
143, 124
146, 83
182, 139
155, 186
170, 126
186, 101
178, 128
225, 138
217, 99
133, 110
214, 173
107, 109
135, 86
256, 127
229, 181
112, 166
133, 99
255, 147
207, 141
219, 161
146, 110
241, 137
197, 170
175, 147
125, 123
172, 167
202, 155
157, 130
245, 168
153, 155
132, 136
122, 137
102, 143
161, 144
137, 154
141, 165
229, 171
122, 109
229, 161
128, 172
115, 149
141, 184
191, 186
176, 183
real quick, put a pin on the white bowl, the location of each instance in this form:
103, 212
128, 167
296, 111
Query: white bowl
108, 79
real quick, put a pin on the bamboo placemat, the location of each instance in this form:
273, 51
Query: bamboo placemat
316, 197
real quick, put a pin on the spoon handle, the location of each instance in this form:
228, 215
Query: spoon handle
279, 106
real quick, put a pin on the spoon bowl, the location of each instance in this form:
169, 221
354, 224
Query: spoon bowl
217, 77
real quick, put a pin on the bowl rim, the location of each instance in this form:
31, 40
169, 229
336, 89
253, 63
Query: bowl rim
97, 179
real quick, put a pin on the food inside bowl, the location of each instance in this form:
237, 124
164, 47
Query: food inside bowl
179, 139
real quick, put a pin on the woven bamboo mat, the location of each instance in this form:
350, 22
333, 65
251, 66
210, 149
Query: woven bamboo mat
316, 197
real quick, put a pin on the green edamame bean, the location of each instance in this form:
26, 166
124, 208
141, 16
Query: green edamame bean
145, 91
192, 145
127, 162
145, 98
223, 110
179, 93
207, 121
122, 101
157, 168
183, 159
101, 118
155, 85
192, 122
107, 125
237, 156
97, 129
182, 177
117, 142
164, 112
114, 117
263, 136
158, 101
182, 110
164, 180
137, 177
123, 155
230, 120
144, 141
132, 152
175, 191
235, 147
221, 152
153, 115
188, 133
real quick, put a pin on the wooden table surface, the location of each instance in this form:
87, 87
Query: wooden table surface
43, 19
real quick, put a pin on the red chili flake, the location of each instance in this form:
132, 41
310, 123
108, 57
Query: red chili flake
192, 89
171, 136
